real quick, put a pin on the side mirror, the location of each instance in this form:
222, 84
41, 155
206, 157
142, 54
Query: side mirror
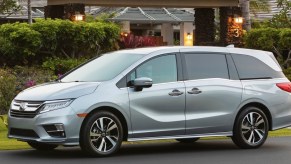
142, 82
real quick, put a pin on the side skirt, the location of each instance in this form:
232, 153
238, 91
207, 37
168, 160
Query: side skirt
181, 136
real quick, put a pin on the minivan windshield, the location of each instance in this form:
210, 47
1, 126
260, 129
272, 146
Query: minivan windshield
103, 68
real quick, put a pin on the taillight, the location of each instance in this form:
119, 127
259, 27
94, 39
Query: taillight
285, 86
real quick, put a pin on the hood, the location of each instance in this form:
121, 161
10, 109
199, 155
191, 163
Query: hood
57, 91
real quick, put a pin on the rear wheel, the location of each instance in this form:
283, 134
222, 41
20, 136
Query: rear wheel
187, 140
42, 146
251, 128
102, 134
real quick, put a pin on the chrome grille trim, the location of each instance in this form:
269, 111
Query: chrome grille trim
31, 110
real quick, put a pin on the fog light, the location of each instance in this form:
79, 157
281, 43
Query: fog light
60, 127
55, 130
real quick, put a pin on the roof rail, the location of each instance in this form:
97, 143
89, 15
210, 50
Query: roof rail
230, 46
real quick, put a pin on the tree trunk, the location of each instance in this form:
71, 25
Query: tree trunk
204, 23
245, 5
29, 11
223, 16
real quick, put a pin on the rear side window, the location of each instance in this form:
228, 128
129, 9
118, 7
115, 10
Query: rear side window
249, 67
205, 66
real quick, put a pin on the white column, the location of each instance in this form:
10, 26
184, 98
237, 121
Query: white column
167, 33
186, 34
125, 27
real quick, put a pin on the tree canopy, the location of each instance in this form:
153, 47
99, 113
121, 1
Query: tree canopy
7, 7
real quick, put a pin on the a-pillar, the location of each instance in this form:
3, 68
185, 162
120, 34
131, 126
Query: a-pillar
186, 34
167, 33
125, 27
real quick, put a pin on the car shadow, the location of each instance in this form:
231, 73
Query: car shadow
131, 150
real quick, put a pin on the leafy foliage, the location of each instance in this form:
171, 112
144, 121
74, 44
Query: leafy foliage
22, 44
287, 72
281, 20
7, 7
13, 81
18, 42
271, 39
30, 76
7, 90
61, 66
259, 6
131, 41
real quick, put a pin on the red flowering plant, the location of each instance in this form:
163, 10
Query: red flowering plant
132, 41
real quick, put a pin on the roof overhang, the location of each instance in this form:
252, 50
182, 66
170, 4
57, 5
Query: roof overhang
150, 3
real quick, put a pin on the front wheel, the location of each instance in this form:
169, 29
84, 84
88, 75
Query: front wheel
42, 146
251, 128
102, 134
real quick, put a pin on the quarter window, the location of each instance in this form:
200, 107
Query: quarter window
205, 66
161, 69
252, 68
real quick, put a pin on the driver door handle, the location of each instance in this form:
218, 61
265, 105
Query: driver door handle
195, 91
176, 92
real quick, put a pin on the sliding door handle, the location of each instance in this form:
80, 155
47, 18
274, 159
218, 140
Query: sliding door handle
176, 92
194, 91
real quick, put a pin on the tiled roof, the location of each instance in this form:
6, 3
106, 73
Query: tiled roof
156, 15
139, 14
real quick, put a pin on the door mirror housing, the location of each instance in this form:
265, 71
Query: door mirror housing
143, 82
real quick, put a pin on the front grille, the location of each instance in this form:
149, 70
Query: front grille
25, 109
23, 133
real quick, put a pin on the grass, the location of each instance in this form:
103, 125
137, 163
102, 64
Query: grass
11, 144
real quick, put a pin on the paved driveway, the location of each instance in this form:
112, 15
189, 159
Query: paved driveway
275, 151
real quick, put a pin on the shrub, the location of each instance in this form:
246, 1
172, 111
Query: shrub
48, 30
7, 90
30, 76
61, 66
287, 72
271, 39
23, 44
131, 41
18, 42
13, 81
262, 38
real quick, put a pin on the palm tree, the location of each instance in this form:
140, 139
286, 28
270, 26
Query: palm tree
29, 11
253, 6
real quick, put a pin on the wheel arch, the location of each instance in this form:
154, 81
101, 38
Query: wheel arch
260, 105
113, 110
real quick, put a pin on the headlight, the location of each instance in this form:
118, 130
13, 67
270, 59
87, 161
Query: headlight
54, 105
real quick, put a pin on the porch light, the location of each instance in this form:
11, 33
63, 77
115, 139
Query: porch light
78, 17
238, 20
189, 36
124, 34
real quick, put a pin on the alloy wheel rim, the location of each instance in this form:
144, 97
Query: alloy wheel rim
253, 128
104, 134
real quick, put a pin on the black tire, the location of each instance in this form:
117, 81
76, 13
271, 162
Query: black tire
42, 146
93, 123
251, 128
188, 140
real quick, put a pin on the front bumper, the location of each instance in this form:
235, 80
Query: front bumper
66, 117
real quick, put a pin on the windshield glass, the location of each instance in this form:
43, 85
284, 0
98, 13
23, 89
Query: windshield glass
103, 68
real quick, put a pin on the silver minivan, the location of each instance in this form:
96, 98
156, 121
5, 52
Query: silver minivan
181, 93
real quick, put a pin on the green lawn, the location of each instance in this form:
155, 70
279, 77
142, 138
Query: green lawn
10, 144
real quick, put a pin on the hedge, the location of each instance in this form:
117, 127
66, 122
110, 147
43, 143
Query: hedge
271, 39
23, 44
